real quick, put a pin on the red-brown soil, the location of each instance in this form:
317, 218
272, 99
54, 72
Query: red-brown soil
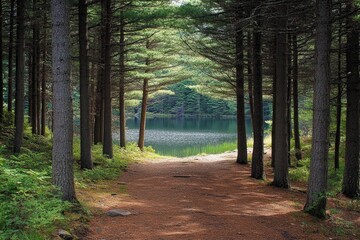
208, 197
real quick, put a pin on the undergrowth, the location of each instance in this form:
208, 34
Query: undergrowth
30, 206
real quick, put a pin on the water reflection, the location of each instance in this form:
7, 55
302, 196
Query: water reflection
170, 136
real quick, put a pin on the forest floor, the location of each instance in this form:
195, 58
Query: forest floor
204, 197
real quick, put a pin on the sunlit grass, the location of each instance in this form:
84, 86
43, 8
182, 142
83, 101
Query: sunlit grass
202, 150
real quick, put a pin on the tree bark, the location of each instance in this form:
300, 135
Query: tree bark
338, 100
85, 137
107, 147
316, 193
62, 154
289, 86
10, 59
281, 170
99, 104
122, 85
257, 164
240, 100
143, 115
351, 182
298, 153
249, 72
35, 121
19, 81
1, 66
43, 80
273, 126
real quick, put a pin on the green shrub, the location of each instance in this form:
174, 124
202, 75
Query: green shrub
300, 173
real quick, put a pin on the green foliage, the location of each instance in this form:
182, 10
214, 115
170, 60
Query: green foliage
188, 101
301, 172
107, 169
29, 203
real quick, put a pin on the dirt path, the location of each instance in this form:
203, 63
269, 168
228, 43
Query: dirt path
207, 197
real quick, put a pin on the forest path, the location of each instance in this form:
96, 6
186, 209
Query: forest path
206, 197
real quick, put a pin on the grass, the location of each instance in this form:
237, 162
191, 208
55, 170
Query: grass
207, 149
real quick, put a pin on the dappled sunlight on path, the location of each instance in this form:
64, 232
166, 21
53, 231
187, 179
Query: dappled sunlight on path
207, 197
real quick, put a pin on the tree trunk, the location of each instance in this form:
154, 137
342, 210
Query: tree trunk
240, 100
257, 164
122, 85
62, 154
1, 66
143, 115
351, 183
273, 126
316, 193
99, 104
281, 170
19, 81
43, 80
10, 59
289, 79
107, 147
35, 121
338, 100
298, 154
85, 138
249, 72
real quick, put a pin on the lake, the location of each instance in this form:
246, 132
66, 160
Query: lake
183, 137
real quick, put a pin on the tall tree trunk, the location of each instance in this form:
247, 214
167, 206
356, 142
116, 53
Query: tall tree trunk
240, 100
298, 154
62, 154
10, 59
30, 91
107, 147
141, 141
289, 85
43, 79
99, 103
281, 170
257, 164
351, 183
122, 84
19, 81
338, 100
1, 65
273, 126
250, 78
35, 74
316, 193
85, 138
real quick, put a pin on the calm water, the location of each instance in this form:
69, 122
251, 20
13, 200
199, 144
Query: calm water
171, 136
